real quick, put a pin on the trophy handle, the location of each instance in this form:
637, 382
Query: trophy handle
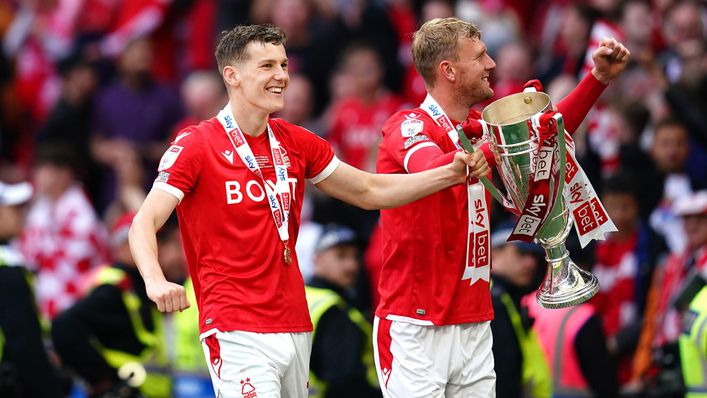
495, 192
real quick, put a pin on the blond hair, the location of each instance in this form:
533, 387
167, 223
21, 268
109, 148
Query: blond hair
437, 40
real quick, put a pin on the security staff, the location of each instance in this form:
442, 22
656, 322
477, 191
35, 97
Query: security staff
113, 338
521, 367
693, 339
341, 364
25, 370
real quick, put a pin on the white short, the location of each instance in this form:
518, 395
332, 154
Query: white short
434, 361
249, 365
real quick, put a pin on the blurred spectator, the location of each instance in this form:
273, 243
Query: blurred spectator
336, 369
500, 23
566, 55
514, 69
203, 95
313, 44
69, 121
669, 151
658, 342
575, 348
625, 262
63, 238
114, 333
357, 120
356, 130
519, 362
25, 370
132, 114
638, 25
682, 27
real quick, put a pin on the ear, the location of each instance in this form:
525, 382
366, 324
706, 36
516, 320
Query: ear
231, 76
447, 71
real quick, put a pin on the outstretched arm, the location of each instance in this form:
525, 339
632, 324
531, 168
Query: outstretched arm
153, 213
380, 191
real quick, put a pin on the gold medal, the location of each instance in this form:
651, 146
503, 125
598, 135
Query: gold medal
287, 254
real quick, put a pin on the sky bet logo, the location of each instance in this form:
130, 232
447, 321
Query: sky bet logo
229, 122
435, 110
249, 162
281, 174
273, 201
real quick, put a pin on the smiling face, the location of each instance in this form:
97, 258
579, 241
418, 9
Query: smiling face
473, 67
260, 78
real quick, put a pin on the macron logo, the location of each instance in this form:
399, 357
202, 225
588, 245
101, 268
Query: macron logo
228, 155
180, 136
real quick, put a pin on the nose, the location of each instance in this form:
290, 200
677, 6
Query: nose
281, 74
490, 63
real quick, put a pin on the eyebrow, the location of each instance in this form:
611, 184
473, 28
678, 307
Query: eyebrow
271, 60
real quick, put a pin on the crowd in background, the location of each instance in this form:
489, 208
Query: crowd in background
92, 92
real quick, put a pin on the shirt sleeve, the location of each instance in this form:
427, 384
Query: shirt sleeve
576, 105
408, 139
320, 161
180, 165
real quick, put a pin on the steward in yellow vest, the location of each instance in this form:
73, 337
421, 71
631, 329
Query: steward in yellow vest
693, 347
341, 364
113, 338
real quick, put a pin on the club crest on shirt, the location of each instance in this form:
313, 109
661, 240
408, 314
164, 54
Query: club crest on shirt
247, 389
415, 139
411, 127
170, 156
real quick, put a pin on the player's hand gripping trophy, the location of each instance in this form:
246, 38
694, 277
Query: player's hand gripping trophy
546, 188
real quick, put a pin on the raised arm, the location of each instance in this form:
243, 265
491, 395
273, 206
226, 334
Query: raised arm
610, 59
381, 191
152, 215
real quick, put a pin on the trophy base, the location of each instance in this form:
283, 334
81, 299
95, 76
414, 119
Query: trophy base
576, 287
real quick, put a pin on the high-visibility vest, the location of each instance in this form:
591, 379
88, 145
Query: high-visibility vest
557, 330
536, 378
693, 347
153, 359
189, 356
320, 301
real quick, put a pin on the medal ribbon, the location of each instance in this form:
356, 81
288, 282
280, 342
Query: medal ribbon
478, 247
278, 199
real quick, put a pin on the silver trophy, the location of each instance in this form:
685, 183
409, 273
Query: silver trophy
515, 145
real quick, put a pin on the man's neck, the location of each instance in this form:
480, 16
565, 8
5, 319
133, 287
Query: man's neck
446, 99
251, 121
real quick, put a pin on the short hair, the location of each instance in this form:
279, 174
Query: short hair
56, 153
437, 40
622, 182
670, 121
231, 46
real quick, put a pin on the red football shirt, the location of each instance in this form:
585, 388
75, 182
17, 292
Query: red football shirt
234, 252
424, 249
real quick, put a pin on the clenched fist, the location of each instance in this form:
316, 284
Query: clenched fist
169, 297
478, 166
610, 59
